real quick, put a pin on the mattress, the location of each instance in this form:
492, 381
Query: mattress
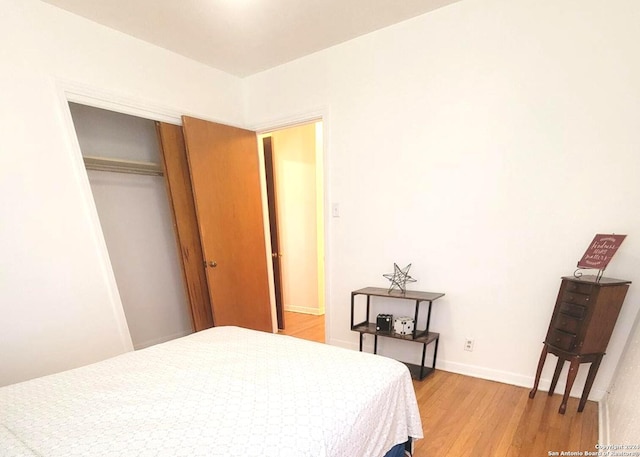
225, 391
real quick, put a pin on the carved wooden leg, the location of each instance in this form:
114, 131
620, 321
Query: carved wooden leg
571, 377
556, 375
543, 357
590, 378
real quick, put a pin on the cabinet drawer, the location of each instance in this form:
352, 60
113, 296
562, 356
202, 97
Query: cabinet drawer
578, 287
567, 323
574, 297
562, 340
577, 311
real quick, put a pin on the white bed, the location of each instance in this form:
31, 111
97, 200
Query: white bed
225, 391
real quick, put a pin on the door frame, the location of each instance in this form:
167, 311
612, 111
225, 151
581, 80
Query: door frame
318, 115
70, 91
272, 206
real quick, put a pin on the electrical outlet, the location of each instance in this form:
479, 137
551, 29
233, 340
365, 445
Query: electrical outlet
468, 344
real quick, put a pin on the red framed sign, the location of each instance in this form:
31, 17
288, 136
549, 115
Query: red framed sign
600, 251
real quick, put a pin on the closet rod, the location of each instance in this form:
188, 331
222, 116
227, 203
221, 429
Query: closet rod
122, 166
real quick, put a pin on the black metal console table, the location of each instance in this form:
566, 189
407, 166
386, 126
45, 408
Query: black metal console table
418, 336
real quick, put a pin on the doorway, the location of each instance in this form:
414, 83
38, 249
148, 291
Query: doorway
296, 196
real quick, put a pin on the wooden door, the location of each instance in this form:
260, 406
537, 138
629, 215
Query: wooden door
225, 176
176, 170
276, 255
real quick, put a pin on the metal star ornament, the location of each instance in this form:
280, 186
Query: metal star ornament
399, 278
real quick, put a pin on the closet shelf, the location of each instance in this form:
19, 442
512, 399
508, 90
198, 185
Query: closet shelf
122, 166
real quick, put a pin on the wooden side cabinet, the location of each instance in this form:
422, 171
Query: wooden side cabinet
583, 319
425, 337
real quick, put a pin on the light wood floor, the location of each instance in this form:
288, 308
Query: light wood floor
305, 326
465, 416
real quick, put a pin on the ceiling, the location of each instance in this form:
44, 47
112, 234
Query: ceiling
243, 37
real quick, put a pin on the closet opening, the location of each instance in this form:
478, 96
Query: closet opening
124, 167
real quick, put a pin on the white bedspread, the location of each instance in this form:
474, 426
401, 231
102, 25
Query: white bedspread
220, 392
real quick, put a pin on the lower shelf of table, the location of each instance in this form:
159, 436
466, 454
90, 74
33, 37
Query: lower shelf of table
422, 336
418, 372
415, 371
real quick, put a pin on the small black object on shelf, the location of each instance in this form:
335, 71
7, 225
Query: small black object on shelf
384, 322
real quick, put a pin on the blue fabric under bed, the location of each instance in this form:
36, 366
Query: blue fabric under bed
399, 450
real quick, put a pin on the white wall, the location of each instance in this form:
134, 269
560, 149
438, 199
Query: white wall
486, 143
623, 401
58, 300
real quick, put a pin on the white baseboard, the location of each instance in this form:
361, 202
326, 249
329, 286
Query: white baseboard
603, 419
304, 310
505, 377
486, 373
489, 374
344, 344
163, 339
